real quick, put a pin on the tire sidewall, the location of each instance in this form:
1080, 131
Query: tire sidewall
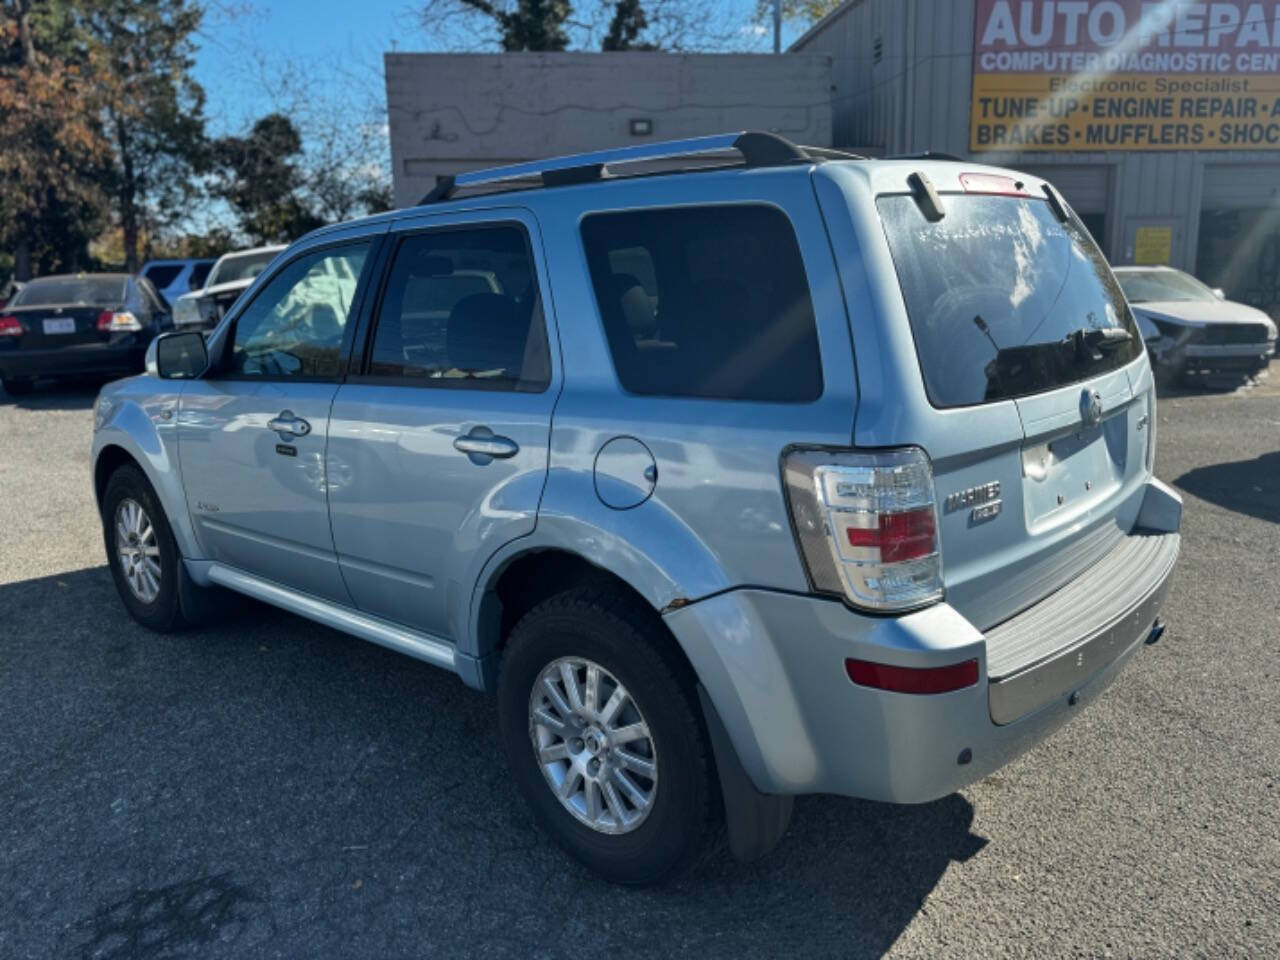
162, 613
676, 824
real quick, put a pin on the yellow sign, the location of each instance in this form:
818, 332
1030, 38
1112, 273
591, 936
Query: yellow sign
1125, 75
1153, 246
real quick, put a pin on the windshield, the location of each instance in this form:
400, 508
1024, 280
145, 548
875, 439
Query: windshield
1143, 285
1004, 299
241, 267
91, 291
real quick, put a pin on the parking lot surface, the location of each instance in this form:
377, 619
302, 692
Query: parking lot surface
270, 788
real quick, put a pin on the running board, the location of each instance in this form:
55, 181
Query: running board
420, 646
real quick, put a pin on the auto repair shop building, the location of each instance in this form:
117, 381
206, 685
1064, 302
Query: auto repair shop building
1160, 123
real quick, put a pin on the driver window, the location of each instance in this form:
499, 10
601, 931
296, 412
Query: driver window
294, 326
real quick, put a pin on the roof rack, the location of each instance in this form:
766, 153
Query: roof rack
757, 149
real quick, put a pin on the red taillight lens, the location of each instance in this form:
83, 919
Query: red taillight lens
908, 535
104, 320
881, 676
10, 327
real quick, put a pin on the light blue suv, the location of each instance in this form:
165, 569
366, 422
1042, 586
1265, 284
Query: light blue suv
737, 470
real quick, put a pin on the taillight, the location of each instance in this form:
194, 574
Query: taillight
118, 321
867, 525
10, 327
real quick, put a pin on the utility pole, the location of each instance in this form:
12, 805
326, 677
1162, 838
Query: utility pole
777, 26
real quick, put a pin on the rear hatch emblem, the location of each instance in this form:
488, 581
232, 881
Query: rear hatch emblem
1091, 408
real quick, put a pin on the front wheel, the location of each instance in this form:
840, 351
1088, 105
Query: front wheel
603, 736
141, 551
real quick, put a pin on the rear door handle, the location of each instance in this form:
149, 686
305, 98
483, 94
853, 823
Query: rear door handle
288, 425
482, 445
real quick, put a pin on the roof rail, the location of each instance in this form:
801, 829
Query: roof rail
758, 149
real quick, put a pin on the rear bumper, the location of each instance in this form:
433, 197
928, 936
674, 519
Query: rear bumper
773, 665
80, 359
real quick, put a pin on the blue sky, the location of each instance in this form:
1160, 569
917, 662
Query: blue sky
336, 44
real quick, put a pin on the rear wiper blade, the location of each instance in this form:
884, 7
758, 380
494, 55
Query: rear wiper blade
1092, 342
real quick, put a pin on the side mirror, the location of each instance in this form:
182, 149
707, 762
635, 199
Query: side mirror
1220, 293
178, 356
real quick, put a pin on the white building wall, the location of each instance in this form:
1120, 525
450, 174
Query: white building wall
454, 112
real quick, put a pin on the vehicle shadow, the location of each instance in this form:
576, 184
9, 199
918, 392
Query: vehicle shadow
1245, 486
71, 394
270, 773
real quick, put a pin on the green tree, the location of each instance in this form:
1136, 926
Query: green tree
258, 175
152, 109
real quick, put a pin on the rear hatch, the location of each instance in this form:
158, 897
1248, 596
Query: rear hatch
59, 312
1038, 396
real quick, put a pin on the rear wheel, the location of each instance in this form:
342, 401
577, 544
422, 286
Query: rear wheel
603, 736
17, 387
141, 551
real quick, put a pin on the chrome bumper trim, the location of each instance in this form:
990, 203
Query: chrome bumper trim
1014, 696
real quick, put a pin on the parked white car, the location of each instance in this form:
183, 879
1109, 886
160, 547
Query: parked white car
230, 276
1192, 331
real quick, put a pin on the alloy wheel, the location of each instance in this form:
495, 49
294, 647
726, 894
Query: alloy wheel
593, 745
138, 550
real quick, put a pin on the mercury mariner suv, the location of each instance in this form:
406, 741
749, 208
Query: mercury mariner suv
736, 470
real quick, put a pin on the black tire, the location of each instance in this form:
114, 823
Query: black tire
625, 638
16, 387
162, 614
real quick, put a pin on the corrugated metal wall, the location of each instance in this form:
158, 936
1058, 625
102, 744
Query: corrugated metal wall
917, 97
865, 42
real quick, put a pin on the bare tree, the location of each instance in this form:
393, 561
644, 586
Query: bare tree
676, 25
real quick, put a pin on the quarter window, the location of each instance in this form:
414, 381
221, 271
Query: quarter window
461, 309
705, 302
294, 326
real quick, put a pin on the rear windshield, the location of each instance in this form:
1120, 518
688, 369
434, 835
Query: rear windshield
92, 291
1004, 299
245, 267
163, 275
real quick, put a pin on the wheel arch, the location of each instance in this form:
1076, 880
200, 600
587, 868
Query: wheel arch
130, 438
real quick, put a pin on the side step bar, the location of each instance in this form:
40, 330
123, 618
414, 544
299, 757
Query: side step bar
420, 646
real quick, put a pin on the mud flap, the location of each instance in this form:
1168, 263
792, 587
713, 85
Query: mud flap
202, 605
754, 821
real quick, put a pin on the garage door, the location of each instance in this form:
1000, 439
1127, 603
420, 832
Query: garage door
1239, 238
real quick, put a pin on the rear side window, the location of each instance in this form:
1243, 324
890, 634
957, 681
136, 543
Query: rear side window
1004, 299
705, 302
461, 309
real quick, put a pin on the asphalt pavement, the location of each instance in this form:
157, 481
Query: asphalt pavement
269, 788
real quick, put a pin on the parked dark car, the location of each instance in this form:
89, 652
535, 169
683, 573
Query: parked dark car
78, 324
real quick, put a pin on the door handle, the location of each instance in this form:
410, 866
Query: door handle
481, 442
288, 425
